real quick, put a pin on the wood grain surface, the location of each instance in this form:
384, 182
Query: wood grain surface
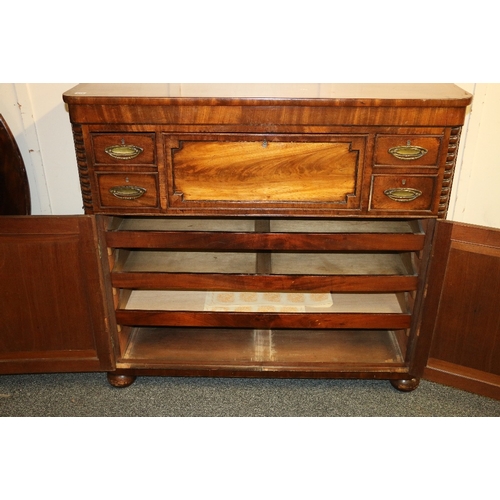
265, 171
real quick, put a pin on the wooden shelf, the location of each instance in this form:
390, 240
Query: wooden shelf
266, 234
261, 350
267, 320
192, 270
166, 269
369, 263
249, 224
171, 308
195, 301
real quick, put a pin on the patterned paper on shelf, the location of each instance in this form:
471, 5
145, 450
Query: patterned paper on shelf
265, 301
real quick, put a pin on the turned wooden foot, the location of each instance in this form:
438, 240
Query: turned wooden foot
120, 380
405, 385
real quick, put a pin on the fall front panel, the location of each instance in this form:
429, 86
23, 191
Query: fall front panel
265, 170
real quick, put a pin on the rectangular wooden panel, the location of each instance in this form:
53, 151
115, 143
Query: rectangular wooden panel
263, 170
209, 281
265, 241
129, 149
468, 324
397, 193
128, 190
52, 312
429, 149
465, 273
267, 320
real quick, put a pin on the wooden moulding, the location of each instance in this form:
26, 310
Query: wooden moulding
464, 378
267, 320
293, 263
265, 241
264, 115
237, 282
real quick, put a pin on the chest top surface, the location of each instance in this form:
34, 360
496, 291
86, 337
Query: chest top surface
309, 93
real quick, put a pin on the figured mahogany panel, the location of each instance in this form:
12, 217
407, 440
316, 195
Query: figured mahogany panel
265, 170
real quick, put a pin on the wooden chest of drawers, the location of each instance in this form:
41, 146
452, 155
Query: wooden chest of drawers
388, 151
227, 211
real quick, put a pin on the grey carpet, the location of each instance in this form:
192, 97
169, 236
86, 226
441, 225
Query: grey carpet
90, 395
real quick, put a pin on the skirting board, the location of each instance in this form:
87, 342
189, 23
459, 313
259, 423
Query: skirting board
460, 377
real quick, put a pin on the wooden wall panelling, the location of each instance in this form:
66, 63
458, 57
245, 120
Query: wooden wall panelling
53, 315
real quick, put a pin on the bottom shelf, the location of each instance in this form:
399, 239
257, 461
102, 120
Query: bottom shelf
354, 351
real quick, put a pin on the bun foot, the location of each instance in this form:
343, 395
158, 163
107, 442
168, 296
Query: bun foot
405, 385
120, 380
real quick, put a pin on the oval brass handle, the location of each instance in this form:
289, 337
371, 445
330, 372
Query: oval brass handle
124, 151
408, 152
403, 194
127, 192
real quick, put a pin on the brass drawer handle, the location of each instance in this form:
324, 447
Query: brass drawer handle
408, 152
127, 192
403, 194
124, 151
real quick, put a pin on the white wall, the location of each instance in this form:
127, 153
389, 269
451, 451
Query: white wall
38, 119
40, 124
475, 194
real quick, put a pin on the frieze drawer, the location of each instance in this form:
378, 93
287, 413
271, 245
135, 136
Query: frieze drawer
128, 191
403, 192
407, 150
123, 149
